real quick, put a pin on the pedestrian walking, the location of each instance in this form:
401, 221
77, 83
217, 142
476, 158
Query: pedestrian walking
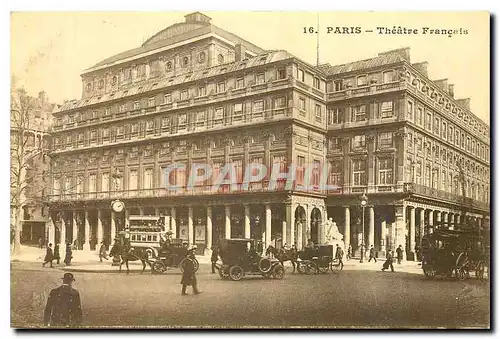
349, 252
189, 277
372, 254
75, 245
63, 307
399, 252
102, 252
49, 256
57, 255
40, 242
339, 254
69, 255
389, 261
214, 258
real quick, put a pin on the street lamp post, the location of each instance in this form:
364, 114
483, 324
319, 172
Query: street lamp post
364, 200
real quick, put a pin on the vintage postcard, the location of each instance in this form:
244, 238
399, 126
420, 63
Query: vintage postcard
250, 169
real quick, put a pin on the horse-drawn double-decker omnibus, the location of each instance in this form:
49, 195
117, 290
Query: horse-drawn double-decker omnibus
144, 233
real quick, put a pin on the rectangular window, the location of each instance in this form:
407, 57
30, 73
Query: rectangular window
221, 87
410, 142
385, 171
93, 135
137, 105
418, 143
436, 126
165, 122
457, 138
238, 109
134, 128
428, 122
317, 83
450, 134
81, 137
92, 183
260, 79
167, 99
338, 85
361, 80
105, 133
240, 83
462, 138
279, 102
184, 94
132, 180
335, 116
318, 113
148, 178
359, 113
281, 73
385, 140
301, 75
202, 91
120, 130
151, 102
301, 161
418, 172
258, 106
420, 115
388, 76
302, 105
182, 120
335, 175
427, 176
386, 109
359, 141
200, 116
107, 111
316, 172
335, 144
121, 108
219, 114
105, 182
149, 125
443, 130
359, 172
79, 184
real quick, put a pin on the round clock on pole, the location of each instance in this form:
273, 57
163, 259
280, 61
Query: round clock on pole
118, 206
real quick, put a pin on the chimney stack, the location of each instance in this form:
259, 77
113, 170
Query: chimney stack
240, 52
451, 90
198, 18
403, 52
421, 67
442, 83
464, 102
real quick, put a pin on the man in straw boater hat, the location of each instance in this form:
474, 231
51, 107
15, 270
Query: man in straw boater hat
63, 305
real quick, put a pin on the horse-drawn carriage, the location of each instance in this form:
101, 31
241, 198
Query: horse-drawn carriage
316, 259
453, 253
241, 257
173, 253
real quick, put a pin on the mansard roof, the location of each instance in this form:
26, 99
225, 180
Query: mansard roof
381, 60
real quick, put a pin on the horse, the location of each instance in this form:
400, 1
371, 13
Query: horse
127, 254
283, 255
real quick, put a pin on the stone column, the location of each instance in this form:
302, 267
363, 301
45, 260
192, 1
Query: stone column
307, 226
347, 227
127, 219
438, 219
173, 222
444, 216
209, 227
52, 233
290, 220
400, 227
457, 221
283, 233
190, 226
383, 238
227, 214
247, 221
300, 231
422, 224
268, 225
99, 229
412, 232
62, 233
113, 227
141, 210
431, 221
371, 226
75, 226
87, 231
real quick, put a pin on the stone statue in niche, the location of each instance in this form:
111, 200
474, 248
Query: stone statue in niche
332, 234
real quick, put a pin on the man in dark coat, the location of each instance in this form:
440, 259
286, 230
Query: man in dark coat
339, 254
69, 255
372, 254
57, 255
189, 277
399, 252
389, 260
102, 252
63, 307
214, 258
49, 256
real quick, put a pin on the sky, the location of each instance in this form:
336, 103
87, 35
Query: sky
49, 50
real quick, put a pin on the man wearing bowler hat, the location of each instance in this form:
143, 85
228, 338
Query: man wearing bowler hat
63, 305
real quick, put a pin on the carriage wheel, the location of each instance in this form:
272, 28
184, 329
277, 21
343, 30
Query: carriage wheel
460, 274
430, 272
480, 270
224, 271
278, 272
323, 269
335, 267
300, 268
236, 273
311, 268
159, 267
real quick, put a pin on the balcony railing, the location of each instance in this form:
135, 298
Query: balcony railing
369, 89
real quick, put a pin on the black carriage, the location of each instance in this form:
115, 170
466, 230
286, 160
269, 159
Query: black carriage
241, 257
173, 253
317, 258
454, 254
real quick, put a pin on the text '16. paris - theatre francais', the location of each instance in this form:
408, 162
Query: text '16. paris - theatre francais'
195, 93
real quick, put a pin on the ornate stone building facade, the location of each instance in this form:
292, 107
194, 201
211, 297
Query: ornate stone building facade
195, 93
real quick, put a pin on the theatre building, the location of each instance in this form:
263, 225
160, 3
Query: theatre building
196, 94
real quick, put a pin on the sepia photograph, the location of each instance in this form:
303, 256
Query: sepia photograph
250, 169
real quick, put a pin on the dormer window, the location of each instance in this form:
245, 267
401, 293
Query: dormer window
169, 65
137, 105
221, 87
185, 62
260, 79
388, 76
361, 80
167, 99
202, 91
220, 59
184, 94
281, 73
105, 132
317, 83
